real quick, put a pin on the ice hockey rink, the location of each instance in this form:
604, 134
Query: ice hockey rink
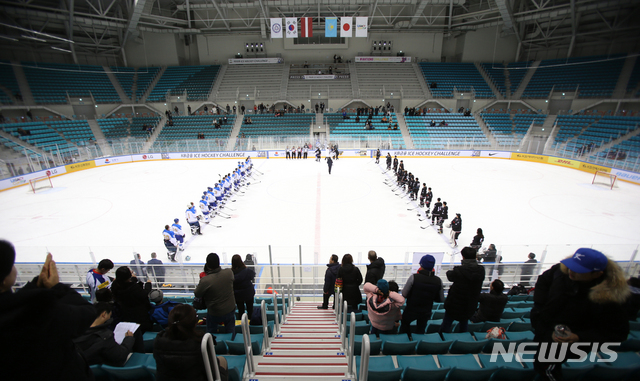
302, 212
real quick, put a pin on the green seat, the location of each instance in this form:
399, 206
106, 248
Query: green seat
420, 368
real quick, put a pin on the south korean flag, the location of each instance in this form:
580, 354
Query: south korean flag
292, 27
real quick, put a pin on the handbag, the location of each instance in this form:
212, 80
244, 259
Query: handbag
199, 304
338, 286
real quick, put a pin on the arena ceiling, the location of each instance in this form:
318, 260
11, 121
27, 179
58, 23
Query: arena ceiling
102, 27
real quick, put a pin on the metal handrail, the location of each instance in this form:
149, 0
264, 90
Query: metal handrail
343, 330
206, 347
246, 335
351, 370
265, 326
276, 328
364, 358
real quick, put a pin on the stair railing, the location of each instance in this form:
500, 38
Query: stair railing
364, 358
246, 335
276, 328
265, 326
351, 370
208, 349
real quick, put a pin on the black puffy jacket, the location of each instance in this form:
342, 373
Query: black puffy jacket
351, 281
462, 299
98, 346
491, 306
132, 299
242, 284
330, 278
375, 271
178, 360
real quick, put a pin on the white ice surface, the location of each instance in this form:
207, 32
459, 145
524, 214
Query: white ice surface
115, 210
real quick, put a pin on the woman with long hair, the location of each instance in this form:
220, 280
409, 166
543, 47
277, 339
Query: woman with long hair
351, 281
177, 349
478, 239
243, 285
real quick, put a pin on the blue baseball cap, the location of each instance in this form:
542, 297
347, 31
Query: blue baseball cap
585, 261
427, 262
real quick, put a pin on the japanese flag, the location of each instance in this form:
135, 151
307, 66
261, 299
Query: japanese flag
292, 27
346, 27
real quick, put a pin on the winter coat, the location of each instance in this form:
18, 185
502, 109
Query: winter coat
178, 360
216, 288
98, 346
529, 266
132, 299
477, 241
242, 287
37, 326
491, 306
594, 310
383, 315
462, 299
330, 276
421, 290
375, 271
488, 256
351, 281
456, 224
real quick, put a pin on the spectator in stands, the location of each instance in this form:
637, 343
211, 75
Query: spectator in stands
395, 126
489, 255
2, 120
189, 109
351, 280
491, 304
159, 312
467, 113
234, 109
206, 109
384, 119
421, 290
39, 322
434, 85
228, 109
328, 288
97, 279
462, 299
29, 114
177, 349
585, 292
375, 268
432, 124
216, 289
98, 345
138, 264
249, 261
243, 289
132, 299
155, 268
306, 64
527, 270
177, 111
443, 124
383, 307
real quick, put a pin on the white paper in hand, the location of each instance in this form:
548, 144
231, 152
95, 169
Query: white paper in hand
121, 330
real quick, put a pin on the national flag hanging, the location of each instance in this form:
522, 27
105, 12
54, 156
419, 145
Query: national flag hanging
276, 28
292, 27
346, 29
331, 27
361, 26
306, 27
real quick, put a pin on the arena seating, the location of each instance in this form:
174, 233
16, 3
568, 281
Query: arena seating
41, 136
590, 79
634, 80
517, 71
51, 83
261, 80
501, 126
125, 78
349, 127
570, 126
286, 125
137, 124
146, 75
603, 131
460, 130
523, 122
8, 80
373, 76
188, 127
496, 73
298, 87
114, 128
462, 76
75, 131
195, 80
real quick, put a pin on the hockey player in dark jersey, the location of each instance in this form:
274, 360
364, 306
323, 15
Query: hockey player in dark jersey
378, 156
389, 161
423, 194
427, 201
395, 164
416, 189
401, 166
437, 210
444, 215
456, 228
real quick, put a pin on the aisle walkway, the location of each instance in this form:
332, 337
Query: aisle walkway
308, 347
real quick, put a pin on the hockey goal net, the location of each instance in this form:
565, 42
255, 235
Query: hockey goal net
41, 182
605, 178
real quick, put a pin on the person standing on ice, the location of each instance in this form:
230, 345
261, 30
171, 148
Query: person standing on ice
329, 162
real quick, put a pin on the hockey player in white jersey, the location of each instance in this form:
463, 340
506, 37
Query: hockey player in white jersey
179, 234
170, 243
192, 218
204, 208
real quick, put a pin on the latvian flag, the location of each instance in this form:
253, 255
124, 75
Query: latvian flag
306, 27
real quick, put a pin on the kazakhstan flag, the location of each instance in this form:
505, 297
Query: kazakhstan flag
331, 27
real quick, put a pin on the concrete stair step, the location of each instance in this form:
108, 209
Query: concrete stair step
311, 352
270, 360
298, 377
301, 370
308, 336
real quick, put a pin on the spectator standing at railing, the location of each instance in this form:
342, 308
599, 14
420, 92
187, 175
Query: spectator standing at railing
216, 290
38, 324
138, 264
462, 298
243, 288
351, 281
328, 288
155, 266
527, 270
375, 268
